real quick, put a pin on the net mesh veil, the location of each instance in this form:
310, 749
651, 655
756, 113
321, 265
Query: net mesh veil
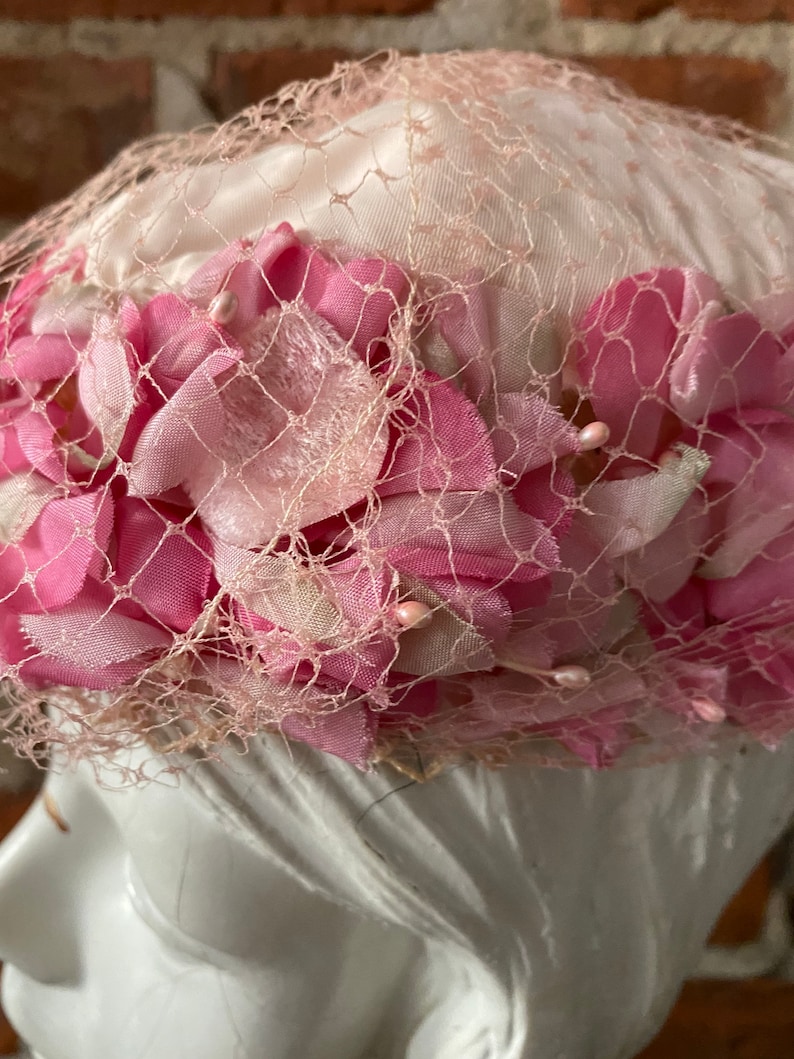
439, 409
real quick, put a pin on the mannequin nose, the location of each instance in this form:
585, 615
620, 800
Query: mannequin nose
38, 929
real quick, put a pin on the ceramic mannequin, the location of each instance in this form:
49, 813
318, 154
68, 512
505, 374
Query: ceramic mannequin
279, 905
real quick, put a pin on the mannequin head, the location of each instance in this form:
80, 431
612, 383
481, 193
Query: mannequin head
281, 900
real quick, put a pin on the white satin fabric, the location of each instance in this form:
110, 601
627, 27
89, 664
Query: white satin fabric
551, 200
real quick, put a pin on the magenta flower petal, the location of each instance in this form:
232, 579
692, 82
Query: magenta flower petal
184, 435
478, 535
629, 338
165, 564
39, 358
731, 362
65, 545
440, 441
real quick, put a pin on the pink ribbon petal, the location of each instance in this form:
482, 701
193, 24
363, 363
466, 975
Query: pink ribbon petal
478, 535
180, 439
750, 479
527, 432
65, 545
348, 733
36, 436
92, 635
763, 589
439, 441
303, 436
731, 362
178, 342
664, 565
164, 563
106, 382
39, 358
357, 298
629, 339
628, 514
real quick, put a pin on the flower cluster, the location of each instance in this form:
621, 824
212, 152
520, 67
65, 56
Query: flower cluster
255, 488
696, 507
253, 483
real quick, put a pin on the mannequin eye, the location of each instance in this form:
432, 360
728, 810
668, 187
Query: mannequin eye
162, 925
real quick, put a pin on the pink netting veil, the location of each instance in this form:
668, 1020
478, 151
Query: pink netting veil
439, 409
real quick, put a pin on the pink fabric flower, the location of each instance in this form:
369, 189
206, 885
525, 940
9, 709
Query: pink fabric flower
242, 482
301, 433
678, 377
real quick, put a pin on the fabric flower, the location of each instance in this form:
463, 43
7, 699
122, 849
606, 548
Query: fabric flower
243, 486
692, 393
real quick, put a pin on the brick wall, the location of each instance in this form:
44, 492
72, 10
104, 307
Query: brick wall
79, 78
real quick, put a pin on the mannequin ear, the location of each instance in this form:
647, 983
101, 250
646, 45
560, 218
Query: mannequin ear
178, 106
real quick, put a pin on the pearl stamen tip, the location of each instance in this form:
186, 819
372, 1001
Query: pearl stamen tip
223, 307
593, 436
572, 677
707, 709
413, 615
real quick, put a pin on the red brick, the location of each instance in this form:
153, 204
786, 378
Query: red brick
740, 10
635, 10
8, 1039
240, 78
618, 10
729, 1020
742, 920
12, 809
61, 120
746, 91
65, 10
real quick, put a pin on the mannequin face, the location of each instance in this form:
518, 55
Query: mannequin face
151, 930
